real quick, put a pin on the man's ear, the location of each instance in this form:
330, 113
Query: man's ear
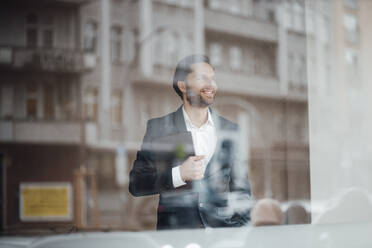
182, 86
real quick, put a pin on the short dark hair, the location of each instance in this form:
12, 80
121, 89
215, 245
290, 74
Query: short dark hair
184, 68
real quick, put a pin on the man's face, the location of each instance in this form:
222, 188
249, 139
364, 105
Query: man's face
201, 85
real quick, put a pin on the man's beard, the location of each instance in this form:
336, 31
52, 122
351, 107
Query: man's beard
196, 99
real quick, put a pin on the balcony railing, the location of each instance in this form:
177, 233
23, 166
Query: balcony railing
247, 27
53, 60
40, 131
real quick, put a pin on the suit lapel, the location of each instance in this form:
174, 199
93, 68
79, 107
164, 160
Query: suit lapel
179, 121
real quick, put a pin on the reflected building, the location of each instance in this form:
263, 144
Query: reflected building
41, 128
81, 78
339, 97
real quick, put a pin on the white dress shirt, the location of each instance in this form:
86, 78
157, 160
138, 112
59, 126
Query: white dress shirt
204, 139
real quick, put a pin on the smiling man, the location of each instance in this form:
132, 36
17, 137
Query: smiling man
190, 157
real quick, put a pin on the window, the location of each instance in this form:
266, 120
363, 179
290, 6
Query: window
171, 48
128, 46
298, 20
91, 105
39, 31
31, 30
291, 63
288, 16
116, 108
310, 21
116, 44
325, 29
352, 61
351, 4
66, 97
351, 27
48, 38
47, 31
49, 103
215, 53
302, 69
264, 61
235, 7
214, 4
31, 100
235, 58
250, 60
157, 50
90, 37
6, 100
31, 37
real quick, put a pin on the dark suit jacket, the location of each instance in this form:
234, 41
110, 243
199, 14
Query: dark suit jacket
220, 199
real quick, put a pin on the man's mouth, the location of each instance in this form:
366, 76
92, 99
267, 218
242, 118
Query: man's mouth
208, 92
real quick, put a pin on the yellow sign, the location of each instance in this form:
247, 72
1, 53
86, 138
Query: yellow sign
45, 201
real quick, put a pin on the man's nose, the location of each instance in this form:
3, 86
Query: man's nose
211, 82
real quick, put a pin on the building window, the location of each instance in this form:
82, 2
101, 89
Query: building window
48, 38
189, 44
291, 64
351, 28
39, 31
235, 7
325, 29
215, 53
158, 50
66, 99
6, 101
90, 37
31, 101
264, 58
116, 108
91, 104
352, 61
299, 16
170, 48
351, 4
47, 31
310, 21
31, 30
214, 4
116, 44
288, 16
49, 103
249, 60
235, 58
128, 47
302, 70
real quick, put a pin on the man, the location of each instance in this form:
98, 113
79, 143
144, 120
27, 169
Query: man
190, 157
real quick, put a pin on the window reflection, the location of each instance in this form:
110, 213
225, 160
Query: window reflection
76, 107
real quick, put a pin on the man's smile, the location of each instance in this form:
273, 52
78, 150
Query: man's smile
208, 92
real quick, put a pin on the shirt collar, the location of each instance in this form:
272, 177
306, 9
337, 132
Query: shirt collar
189, 124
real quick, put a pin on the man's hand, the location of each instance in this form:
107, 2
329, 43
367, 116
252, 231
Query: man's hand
192, 168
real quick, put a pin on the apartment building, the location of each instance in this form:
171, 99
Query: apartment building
41, 124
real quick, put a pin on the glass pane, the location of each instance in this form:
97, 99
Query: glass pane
199, 115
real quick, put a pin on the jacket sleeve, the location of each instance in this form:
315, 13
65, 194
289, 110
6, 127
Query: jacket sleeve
146, 178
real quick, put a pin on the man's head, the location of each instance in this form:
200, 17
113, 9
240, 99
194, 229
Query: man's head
194, 81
